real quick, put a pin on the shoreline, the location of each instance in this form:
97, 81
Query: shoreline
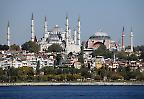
71, 83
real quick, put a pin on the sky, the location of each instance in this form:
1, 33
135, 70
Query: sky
107, 15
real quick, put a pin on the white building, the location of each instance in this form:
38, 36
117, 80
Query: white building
69, 41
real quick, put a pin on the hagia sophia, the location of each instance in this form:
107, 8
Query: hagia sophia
99, 38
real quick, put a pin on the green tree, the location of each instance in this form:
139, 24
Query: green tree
55, 48
4, 47
139, 48
102, 72
1, 71
31, 46
142, 56
25, 73
12, 74
122, 55
58, 59
102, 51
126, 72
2, 75
48, 70
80, 56
115, 76
15, 47
140, 76
38, 68
85, 72
132, 57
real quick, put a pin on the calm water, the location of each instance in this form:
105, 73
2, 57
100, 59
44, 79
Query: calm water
72, 92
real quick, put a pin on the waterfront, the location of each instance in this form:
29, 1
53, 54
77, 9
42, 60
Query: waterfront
72, 92
70, 83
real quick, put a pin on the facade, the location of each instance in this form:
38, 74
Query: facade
25, 59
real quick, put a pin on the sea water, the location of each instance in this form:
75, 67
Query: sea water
72, 92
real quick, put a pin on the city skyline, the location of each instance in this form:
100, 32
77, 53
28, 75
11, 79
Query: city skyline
108, 16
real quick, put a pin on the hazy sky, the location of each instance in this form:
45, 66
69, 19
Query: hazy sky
108, 15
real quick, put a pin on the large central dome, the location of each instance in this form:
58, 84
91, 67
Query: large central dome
101, 34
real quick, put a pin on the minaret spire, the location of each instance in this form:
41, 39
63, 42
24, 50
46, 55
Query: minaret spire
131, 37
123, 38
8, 34
75, 36
78, 38
45, 27
32, 17
67, 32
32, 29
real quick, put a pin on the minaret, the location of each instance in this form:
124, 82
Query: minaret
67, 32
122, 46
131, 40
78, 33
32, 29
8, 34
45, 28
114, 60
75, 36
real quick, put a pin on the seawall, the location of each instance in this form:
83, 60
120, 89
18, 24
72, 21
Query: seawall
70, 83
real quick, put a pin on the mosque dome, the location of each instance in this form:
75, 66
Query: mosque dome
100, 36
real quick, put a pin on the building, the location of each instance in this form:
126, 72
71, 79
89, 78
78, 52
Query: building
100, 38
67, 39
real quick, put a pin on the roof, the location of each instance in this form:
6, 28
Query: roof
100, 36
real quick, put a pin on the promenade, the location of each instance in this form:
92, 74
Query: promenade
70, 83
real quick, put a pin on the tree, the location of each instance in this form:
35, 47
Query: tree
15, 47
4, 47
80, 56
58, 59
48, 70
25, 73
126, 73
85, 73
142, 56
132, 57
1, 71
38, 68
102, 51
12, 74
122, 55
55, 48
102, 72
139, 48
31, 46
115, 76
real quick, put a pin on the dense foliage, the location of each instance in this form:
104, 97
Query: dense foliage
139, 48
28, 74
31, 46
4, 47
15, 47
55, 48
102, 51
